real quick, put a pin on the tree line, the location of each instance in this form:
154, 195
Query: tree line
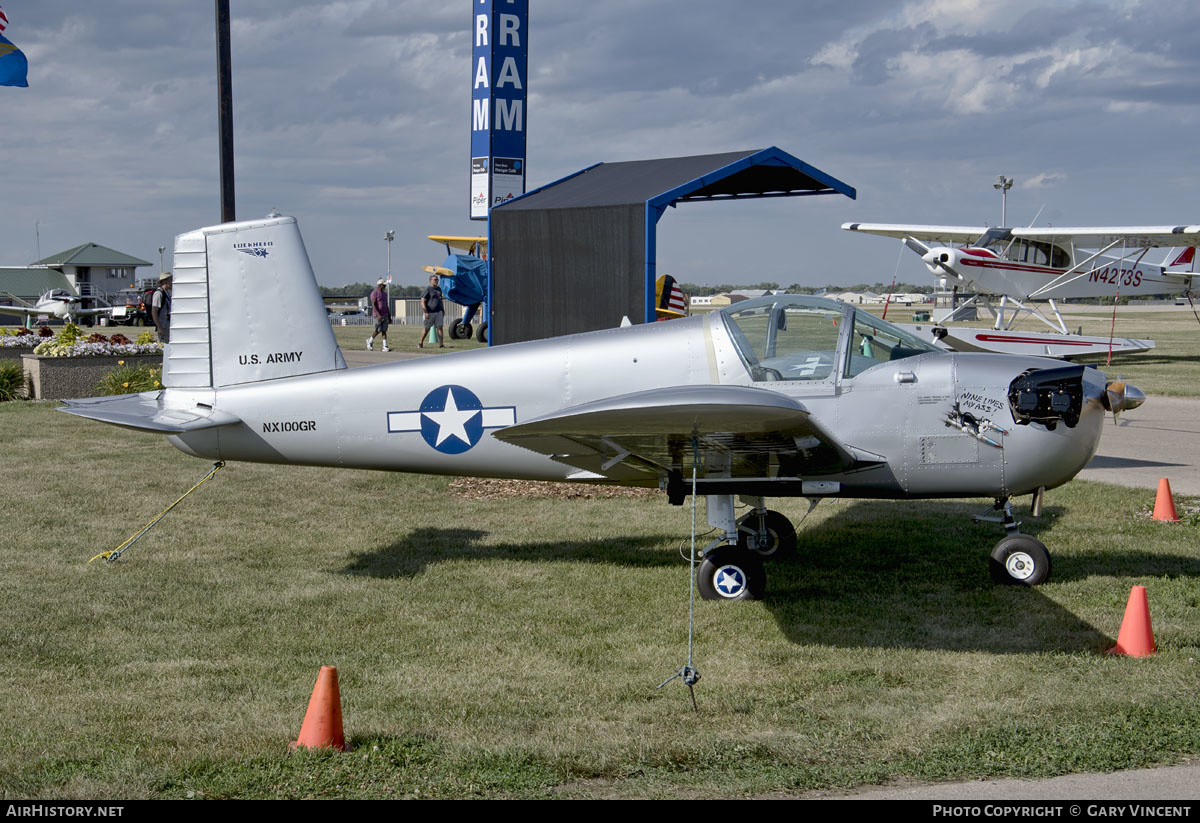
353, 291
879, 288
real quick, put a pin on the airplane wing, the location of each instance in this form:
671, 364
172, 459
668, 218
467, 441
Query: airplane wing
641, 436
21, 311
143, 412
933, 234
466, 244
1141, 237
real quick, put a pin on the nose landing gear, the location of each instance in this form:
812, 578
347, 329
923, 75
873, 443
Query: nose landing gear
1019, 559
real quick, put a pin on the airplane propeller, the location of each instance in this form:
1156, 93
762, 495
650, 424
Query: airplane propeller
1119, 397
931, 257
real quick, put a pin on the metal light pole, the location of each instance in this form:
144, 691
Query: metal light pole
162, 267
225, 112
1003, 184
389, 237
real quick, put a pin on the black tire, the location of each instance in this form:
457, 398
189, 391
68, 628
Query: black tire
782, 535
464, 331
731, 573
1020, 560
454, 332
481, 333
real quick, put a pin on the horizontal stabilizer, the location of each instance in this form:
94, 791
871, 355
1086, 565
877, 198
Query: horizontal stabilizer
143, 412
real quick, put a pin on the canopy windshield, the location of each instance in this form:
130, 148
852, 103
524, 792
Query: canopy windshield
793, 337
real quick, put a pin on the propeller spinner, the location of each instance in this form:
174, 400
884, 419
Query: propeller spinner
1119, 397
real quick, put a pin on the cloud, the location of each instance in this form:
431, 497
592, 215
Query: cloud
1044, 180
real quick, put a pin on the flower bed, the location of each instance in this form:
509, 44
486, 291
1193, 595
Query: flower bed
70, 365
58, 378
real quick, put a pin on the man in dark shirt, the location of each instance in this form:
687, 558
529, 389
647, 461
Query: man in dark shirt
431, 302
160, 307
383, 315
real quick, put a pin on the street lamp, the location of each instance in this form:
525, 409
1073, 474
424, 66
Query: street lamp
162, 267
1003, 184
389, 237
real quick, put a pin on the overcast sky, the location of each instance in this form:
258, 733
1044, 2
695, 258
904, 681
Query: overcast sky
354, 116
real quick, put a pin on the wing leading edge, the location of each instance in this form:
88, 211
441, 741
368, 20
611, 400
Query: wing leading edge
640, 437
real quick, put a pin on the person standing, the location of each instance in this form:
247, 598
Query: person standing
160, 307
431, 302
382, 313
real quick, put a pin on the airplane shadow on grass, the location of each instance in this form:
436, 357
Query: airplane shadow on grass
875, 575
409, 556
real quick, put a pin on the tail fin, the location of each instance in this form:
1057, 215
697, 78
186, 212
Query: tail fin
245, 307
1186, 256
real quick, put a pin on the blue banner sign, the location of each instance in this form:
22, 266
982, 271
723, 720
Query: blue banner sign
499, 70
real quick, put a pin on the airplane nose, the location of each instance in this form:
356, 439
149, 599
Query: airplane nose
937, 260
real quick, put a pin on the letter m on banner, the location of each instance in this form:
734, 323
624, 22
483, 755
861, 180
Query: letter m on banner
499, 71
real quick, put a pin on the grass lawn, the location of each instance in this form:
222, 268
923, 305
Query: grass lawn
500, 648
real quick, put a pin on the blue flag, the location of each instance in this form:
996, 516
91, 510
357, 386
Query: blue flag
14, 68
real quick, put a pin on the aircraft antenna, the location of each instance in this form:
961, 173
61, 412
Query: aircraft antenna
688, 673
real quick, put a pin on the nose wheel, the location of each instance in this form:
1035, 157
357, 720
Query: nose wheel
1020, 560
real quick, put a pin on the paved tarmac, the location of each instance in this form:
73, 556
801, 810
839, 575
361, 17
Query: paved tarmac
1170, 783
1160, 439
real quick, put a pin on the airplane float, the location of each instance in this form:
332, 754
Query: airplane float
1020, 265
58, 303
781, 396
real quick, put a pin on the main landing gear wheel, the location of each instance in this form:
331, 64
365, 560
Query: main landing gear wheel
1020, 560
481, 333
460, 330
780, 542
731, 573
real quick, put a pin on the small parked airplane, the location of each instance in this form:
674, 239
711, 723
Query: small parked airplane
784, 395
58, 303
1019, 265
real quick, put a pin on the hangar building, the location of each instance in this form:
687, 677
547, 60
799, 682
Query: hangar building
573, 255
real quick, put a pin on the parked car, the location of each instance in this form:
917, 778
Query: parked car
132, 308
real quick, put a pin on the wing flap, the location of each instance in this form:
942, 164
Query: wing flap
741, 431
143, 413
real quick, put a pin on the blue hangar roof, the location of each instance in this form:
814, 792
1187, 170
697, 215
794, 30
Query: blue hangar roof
769, 172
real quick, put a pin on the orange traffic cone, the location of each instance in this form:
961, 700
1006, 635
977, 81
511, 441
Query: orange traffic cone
322, 728
1137, 637
1164, 503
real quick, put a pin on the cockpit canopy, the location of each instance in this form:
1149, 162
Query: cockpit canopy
795, 337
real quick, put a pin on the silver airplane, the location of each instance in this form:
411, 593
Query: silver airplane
782, 396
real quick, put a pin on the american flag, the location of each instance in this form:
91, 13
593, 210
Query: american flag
670, 298
3, 21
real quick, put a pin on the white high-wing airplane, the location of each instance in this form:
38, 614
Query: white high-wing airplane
1023, 264
58, 303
